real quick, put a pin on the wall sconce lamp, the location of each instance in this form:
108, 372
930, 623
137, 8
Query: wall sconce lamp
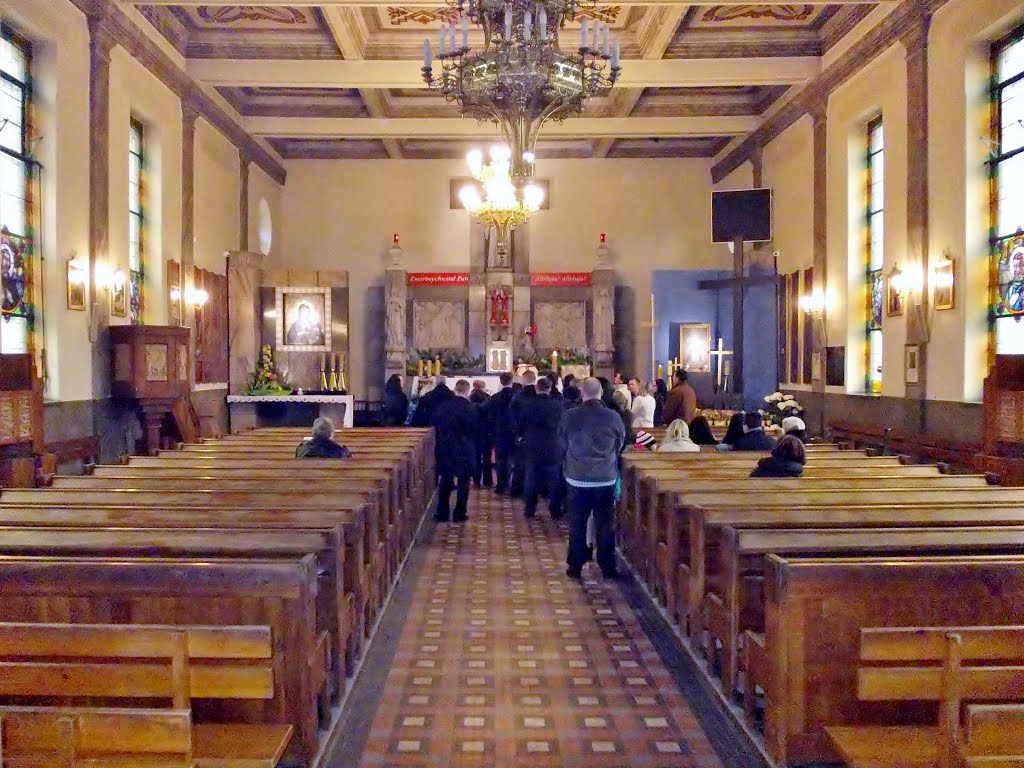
813, 303
194, 297
103, 275
907, 281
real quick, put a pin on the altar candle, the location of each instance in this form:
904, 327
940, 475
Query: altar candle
583, 30
661, 372
442, 40
508, 23
437, 366
419, 367
527, 24
426, 65
465, 31
554, 361
542, 22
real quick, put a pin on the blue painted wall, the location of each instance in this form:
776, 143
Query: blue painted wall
678, 300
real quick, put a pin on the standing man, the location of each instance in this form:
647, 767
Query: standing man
500, 432
682, 400
521, 402
423, 416
455, 433
483, 473
593, 437
541, 451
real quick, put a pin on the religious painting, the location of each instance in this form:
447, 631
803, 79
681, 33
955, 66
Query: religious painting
13, 275
303, 319
1011, 276
76, 279
943, 297
156, 362
695, 347
912, 356
894, 300
119, 299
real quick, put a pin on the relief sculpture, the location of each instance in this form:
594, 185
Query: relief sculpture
561, 325
439, 325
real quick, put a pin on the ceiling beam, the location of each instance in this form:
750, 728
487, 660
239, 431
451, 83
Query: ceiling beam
344, 26
636, 73
460, 128
434, 3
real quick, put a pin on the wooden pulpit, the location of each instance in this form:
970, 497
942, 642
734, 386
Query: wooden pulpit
151, 367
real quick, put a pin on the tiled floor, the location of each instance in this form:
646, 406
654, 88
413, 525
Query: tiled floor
504, 661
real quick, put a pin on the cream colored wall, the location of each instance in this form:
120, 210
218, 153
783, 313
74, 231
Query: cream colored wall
262, 187
789, 170
62, 116
60, 39
216, 198
341, 214
135, 92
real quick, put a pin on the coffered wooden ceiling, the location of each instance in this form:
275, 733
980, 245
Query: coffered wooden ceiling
341, 79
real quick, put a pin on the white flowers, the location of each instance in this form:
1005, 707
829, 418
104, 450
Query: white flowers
784, 404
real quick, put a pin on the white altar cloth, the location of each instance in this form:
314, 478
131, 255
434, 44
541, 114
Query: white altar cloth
334, 403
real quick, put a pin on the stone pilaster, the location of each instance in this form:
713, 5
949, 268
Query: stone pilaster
243, 202
915, 40
396, 294
602, 292
478, 330
819, 114
188, 238
245, 275
101, 43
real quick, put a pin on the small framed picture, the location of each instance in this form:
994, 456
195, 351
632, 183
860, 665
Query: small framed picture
695, 347
119, 299
303, 319
944, 297
77, 276
893, 300
912, 355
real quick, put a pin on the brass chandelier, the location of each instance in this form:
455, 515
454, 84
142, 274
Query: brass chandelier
505, 203
527, 73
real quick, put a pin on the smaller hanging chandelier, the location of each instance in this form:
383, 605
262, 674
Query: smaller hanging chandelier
505, 203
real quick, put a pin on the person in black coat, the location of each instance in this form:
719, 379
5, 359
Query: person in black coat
541, 450
660, 398
484, 473
423, 416
455, 425
521, 402
754, 438
787, 460
396, 403
321, 445
553, 378
499, 428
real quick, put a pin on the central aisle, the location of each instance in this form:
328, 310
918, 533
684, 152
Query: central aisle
505, 661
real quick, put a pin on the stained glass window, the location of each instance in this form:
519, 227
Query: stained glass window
1007, 193
16, 312
136, 221
875, 251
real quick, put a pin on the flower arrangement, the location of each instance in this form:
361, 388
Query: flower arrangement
779, 406
716, 418
453, 362
266, 380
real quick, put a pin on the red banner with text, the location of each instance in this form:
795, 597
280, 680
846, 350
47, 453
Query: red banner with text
438, 278
559, 279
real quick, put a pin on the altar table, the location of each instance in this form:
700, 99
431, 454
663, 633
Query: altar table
253, 411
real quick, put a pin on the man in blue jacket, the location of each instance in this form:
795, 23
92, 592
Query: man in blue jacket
593, 437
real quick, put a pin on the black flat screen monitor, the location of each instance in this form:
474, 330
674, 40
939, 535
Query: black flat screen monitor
745, 213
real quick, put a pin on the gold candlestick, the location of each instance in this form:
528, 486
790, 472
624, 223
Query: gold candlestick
661, 373
323, 373
437, 365
332, 385
419, 368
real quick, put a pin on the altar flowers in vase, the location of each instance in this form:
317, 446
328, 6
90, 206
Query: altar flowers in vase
266, 380
778, 407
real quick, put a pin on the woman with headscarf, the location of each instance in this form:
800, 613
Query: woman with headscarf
794, 425
734, 431
700, 431
787, 459
396, 404
677, 439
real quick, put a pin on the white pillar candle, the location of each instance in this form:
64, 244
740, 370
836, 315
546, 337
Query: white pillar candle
593, 37
604, 39
451, 31
508, 23
426, 54
527, 24
542, 20
583, 29
615, 55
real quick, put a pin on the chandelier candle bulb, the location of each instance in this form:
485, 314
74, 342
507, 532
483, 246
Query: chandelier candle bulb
451, 30
542, 20
593, 36
465, 32
583, 29
426, 54
527, 24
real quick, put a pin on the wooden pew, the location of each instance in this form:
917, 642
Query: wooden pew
816, 609
733, 601
65, 737
994, 736
947, 665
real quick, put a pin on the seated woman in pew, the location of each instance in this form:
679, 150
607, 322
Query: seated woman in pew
786, 460
700, 431
321, 445
794, 425
754, 437
677, 439
733, 432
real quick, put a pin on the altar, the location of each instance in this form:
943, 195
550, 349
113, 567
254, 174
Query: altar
255, 411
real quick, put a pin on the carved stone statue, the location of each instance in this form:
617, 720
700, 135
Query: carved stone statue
499, 308
396, 323
604, 317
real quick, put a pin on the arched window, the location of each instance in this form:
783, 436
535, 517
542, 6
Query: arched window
1006, 166
16, 176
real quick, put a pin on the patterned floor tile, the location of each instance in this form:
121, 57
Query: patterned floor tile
504, 661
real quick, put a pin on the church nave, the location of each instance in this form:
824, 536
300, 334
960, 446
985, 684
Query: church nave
503, 660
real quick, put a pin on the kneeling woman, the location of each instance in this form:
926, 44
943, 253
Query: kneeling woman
787, 459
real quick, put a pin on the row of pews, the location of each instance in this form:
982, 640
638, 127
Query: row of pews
867, 612
227, 582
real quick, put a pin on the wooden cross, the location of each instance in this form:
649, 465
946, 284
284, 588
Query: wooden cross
721, 354
653, 325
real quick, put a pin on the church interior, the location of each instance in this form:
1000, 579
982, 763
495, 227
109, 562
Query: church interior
219, 223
